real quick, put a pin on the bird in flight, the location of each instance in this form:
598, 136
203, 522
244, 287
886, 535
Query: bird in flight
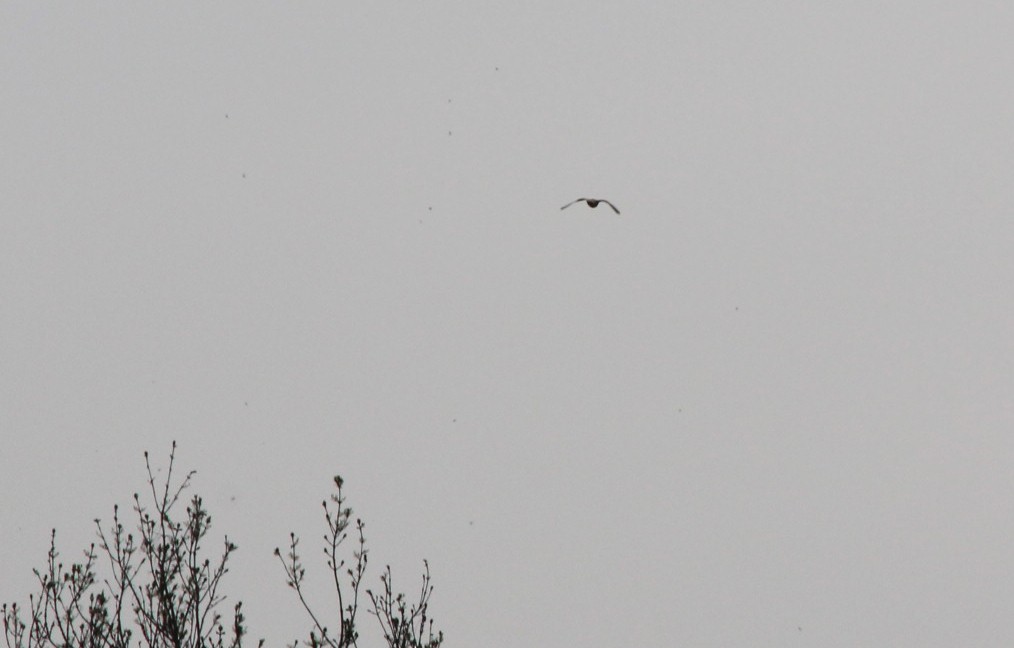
593, 203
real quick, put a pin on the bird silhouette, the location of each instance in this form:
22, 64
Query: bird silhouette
593, 203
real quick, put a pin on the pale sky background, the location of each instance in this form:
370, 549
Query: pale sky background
768, 405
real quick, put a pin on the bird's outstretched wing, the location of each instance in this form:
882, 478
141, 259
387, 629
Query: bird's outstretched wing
610, 204
572, 202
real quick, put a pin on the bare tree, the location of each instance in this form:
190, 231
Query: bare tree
338, 519
161, 591
404, 625
161, 588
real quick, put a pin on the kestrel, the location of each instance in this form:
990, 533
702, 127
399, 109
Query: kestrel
593, 203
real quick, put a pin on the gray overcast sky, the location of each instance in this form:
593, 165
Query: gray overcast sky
774, 394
